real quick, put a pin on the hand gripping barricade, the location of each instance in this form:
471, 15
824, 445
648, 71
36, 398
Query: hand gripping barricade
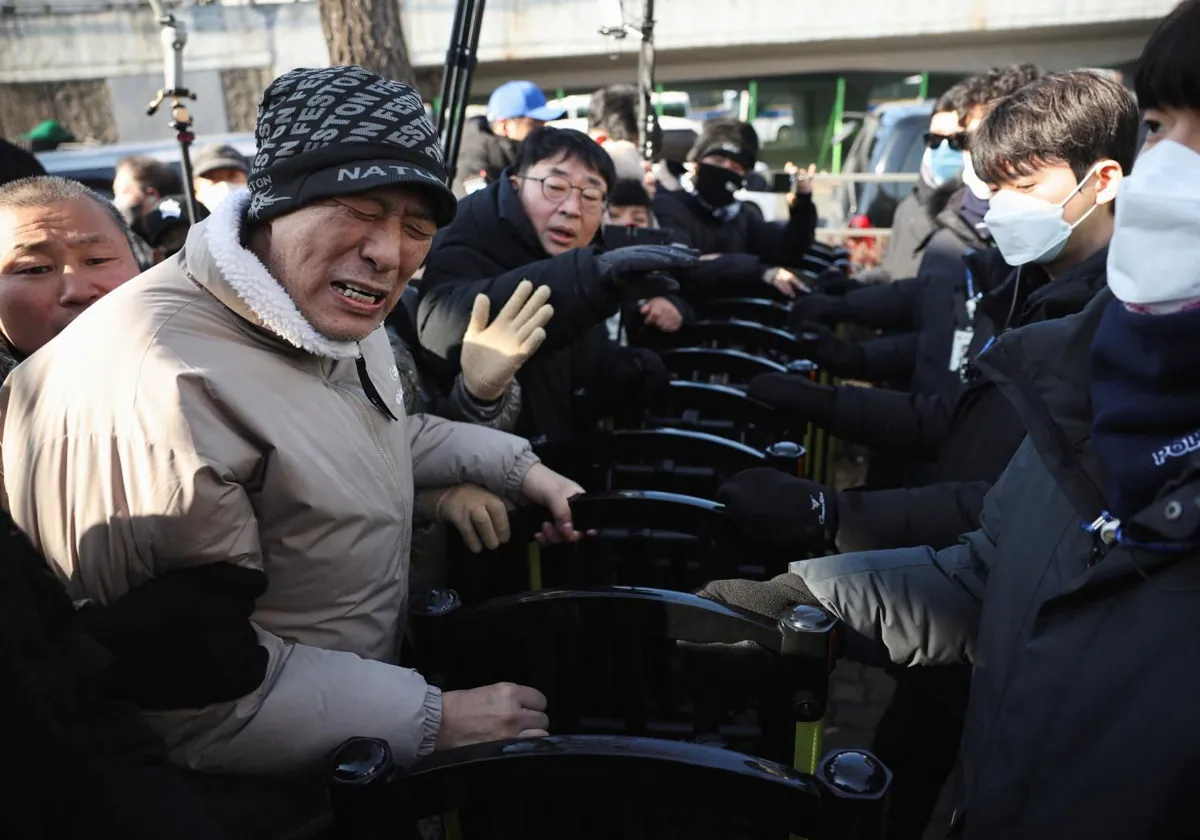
629, 674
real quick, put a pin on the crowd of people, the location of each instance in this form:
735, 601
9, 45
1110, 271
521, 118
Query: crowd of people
231, 449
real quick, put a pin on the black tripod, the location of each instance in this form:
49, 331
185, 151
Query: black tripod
648, 127
174, 38
456, 79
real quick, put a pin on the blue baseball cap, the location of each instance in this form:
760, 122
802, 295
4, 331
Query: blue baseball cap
520, 99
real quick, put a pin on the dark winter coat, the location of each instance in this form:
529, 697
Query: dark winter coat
971, 446
773, 243
490, 248
1081, 715
82, 762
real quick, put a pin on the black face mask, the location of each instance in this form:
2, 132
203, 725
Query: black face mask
716, 185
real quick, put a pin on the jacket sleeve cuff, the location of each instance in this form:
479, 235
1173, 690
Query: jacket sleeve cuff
432, 723
471, 408
516, 476
802, 207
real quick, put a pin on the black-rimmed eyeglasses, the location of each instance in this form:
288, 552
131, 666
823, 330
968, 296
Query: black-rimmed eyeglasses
557, 189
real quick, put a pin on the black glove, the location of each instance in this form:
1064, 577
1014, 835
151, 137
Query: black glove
821, 344
823, 309
633, 379
640, 272
834, 281
797, 394
644, 374
184, 640
774, 508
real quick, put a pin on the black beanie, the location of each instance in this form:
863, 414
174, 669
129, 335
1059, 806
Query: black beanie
729, 138
339, 131
629, 193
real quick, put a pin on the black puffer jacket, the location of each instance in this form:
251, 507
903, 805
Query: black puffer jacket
774, 243
489, 249
82, 764
1081, 714
983, 430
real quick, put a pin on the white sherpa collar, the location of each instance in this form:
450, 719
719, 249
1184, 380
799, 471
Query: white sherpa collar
255, 286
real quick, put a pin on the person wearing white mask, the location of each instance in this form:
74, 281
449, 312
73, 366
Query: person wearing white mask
1076, 598
1042, 140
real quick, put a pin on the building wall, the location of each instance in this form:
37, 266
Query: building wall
113, 45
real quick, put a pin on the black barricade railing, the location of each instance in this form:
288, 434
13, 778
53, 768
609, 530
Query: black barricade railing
717, 366
639, 661
723, 411
603, 787
769, 313
640, 538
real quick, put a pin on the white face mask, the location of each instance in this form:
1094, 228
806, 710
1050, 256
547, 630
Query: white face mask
1154, 256
1029, 229
974, 183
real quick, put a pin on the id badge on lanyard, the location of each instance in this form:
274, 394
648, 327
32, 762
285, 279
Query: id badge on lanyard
962, 338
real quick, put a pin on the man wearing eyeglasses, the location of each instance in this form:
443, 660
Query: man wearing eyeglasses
540, 221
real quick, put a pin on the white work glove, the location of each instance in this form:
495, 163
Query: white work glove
478, 514
492, 354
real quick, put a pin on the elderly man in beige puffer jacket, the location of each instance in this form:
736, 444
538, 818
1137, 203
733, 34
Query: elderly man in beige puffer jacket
237, 410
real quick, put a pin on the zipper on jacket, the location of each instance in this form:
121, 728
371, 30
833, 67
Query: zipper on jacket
1106, 532
365, 408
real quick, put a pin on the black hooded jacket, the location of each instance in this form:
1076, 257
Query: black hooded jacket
982, 431
489, 249
749, 244
82, 763
927, 308
1082, 643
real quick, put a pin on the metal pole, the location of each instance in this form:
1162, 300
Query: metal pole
651, 134
839, 108
174, 39
450, 72
461, 59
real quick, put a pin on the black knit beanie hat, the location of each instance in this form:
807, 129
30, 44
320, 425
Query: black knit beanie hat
339, 131
729, 138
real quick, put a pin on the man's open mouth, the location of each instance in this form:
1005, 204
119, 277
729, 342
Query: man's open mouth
357, 293
561, 233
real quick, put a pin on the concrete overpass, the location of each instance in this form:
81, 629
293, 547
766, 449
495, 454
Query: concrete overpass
235, 46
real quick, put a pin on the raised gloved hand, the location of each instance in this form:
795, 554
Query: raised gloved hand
640, 272
774, 508
822, 345
477, 514
821, 308
796, 394
493, 353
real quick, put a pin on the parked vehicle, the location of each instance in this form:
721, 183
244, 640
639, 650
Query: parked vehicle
889, 141
95, 165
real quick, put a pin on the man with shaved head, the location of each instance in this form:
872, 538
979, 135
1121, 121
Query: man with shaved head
62, 248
